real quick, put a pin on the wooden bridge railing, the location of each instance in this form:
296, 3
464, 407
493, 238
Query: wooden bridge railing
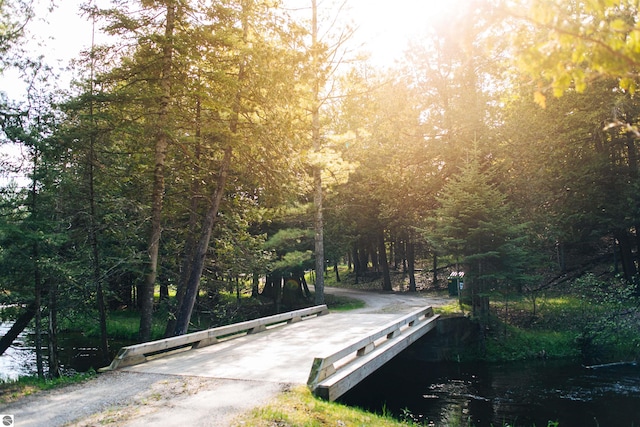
335, 373
140, 353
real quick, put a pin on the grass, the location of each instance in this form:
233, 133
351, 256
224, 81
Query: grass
339, 303
522, 344
451, 309
11, 391
299, 408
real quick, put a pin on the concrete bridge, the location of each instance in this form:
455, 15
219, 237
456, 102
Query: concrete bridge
330, 352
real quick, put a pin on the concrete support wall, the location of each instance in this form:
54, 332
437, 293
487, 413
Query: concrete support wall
451, 337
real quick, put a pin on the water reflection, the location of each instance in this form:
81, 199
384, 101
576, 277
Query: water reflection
524, 394
76, 353
19, 359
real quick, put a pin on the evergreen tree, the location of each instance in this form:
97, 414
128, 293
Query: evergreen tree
476, 225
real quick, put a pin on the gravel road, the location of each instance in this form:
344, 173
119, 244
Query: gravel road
134, 399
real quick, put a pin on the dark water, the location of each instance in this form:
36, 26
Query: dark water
77, 353
522, 394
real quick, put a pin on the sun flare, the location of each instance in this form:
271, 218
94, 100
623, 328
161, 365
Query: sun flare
386, 27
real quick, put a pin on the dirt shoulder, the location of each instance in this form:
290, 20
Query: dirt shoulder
134, 399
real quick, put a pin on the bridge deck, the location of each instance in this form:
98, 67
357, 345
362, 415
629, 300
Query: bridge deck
283, 354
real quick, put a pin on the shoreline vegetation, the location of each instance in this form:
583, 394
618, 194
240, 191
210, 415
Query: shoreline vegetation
560, 326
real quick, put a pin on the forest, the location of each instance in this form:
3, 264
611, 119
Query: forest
237, 145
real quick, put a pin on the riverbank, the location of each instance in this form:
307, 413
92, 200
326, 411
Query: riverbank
174, 400
132, 399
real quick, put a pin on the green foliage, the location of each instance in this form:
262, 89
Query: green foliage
596, 320
476, 224
14, 16
449, 143
522, 344
121, 325
609, 324
292, 249
574, 42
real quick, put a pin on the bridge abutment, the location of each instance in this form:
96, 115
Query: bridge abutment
451, 337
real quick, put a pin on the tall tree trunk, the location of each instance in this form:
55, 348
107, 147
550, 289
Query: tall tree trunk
411, 263
363, 256
35, 257
254, 285
435, 270
162, 142
197, 264
305, 286
317, 169
190, 242
38, 318
382, 257
54, 363
626, 255
93, 227
371, 249
356, 261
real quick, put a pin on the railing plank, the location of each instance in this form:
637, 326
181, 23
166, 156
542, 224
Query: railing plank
348, 376
139, 353
360, 345
378, 347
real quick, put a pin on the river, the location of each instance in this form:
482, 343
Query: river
19, 359
77, 353
522, 394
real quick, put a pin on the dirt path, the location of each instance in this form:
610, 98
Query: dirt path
139, 399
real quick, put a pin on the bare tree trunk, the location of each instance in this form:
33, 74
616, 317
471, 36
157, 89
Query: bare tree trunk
382, 252
435, 270
190, 242
411, 262
317, 169
35, 255
626, 254
54, 363
162, 142
93, 228
255, 291
197, 265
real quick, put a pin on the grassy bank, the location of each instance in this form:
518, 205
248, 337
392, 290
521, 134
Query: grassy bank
24, 386
299, 408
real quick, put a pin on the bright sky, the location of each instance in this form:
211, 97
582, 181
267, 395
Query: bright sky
384, 28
